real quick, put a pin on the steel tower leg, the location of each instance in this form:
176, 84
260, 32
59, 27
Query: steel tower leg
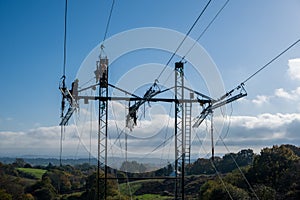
179, 131
212, 137
102, 72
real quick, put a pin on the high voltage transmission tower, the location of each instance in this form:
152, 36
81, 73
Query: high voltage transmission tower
182, 112
183, 101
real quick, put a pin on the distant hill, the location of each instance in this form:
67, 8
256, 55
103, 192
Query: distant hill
151, 163
46, 161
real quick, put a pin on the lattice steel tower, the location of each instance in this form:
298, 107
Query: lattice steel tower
179, 130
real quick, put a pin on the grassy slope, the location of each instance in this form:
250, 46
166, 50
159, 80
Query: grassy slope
132, 187
193, 183
128, 189
151, 197
38, 173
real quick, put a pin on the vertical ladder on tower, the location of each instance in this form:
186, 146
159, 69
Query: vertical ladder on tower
188, 128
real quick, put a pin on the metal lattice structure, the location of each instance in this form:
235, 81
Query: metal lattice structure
179, 130
183, 115
102, 78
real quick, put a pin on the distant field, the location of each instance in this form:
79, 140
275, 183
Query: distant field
130, 188
151, 197
37, 173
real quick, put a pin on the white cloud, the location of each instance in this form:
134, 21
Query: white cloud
261, 131
266, 120
293, 95
261, 99
283, 94
245, 132
294, 69
282, 100
256, 132
37, 141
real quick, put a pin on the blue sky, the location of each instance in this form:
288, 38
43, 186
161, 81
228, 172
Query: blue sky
245, 36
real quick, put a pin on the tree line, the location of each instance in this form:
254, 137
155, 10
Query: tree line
272, 174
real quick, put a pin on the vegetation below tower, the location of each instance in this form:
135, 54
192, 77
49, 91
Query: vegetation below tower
272, 174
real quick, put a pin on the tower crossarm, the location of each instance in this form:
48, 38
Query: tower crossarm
131, 119
199, 94
67, 116
223, 100
71, 96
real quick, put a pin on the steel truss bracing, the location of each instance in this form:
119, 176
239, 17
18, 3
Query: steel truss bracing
101, 78
179, 130
183, 114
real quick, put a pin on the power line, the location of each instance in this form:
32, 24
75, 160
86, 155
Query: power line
62, 130
266, 65
186, 35
240, 170
214, 166
220, 177
206, 28
108, 21
65, 39
61, 144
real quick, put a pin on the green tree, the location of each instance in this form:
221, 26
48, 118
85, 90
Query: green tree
264, 192
236, 178
59, 179
27, 165
245, 157
230, 161
44, 194
295, 149
4, 195
133, 166
42, 190
85, 167
201, 166
272, 167
19, 162
289, 183
212, 190
27, 197
165, 171
91, 187
12, 185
